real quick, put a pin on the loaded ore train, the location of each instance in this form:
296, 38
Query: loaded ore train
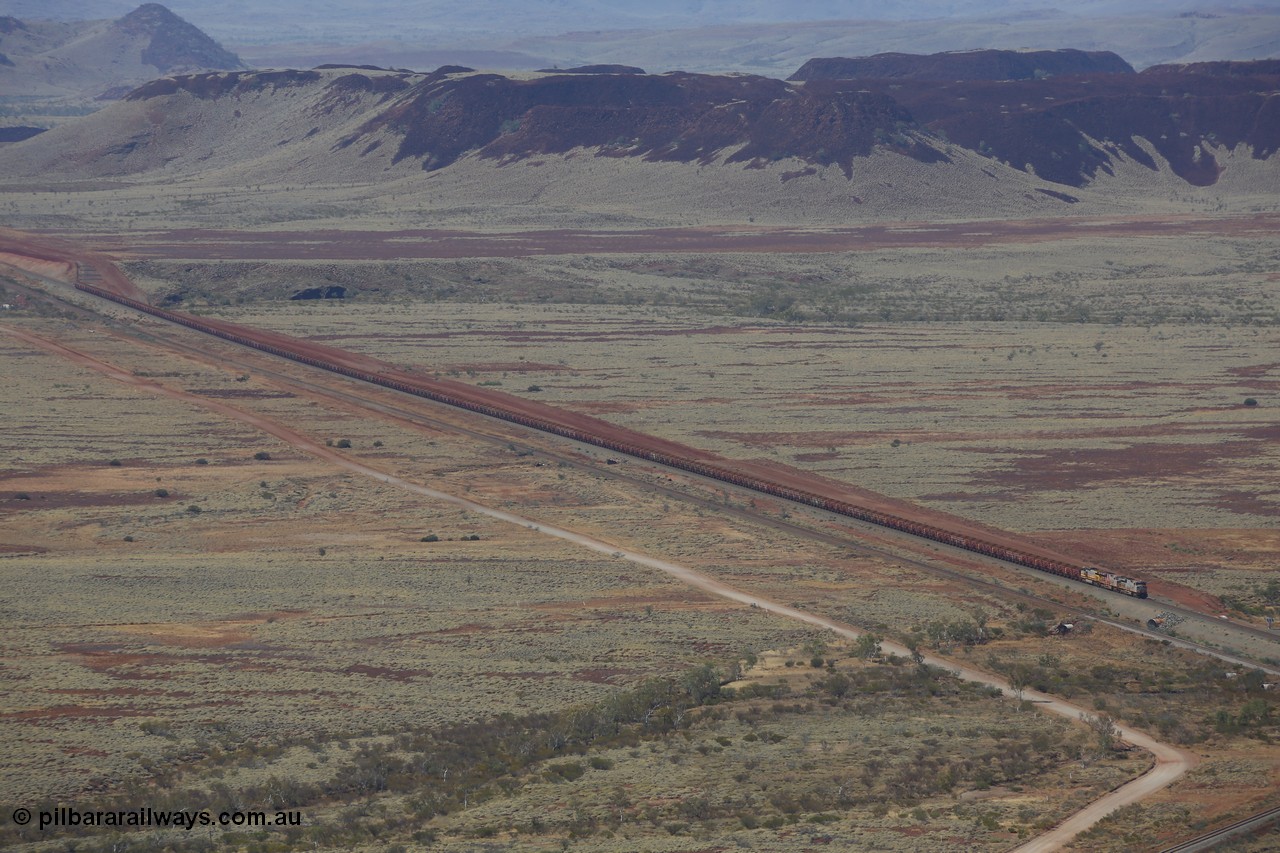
661, 452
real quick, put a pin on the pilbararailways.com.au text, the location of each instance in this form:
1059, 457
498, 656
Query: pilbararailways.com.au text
144, 818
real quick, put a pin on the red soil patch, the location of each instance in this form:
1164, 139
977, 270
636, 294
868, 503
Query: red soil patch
1246, 503
112, 692
1255, 371
241, 393
60, 500
381, 245
601, 676
1075, 469
21, 550
505, 367
64, 712
401, 675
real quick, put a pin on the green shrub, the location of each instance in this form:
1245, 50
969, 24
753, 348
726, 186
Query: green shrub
568, 770
262, 456
430, 537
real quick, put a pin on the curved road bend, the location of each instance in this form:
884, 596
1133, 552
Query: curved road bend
1171, 763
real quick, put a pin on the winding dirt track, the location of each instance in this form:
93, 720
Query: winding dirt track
1170, 762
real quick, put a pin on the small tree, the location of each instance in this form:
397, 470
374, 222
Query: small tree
1020, 679
1104, 729
867, 646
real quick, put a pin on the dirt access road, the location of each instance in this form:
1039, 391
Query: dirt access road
1170, 762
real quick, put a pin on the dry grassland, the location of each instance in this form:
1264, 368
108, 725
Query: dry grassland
228, 633
236, 184
1129, 444
1090, 396
204, 623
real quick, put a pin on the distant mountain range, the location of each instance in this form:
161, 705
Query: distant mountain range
757, 36
86, 60
1069, 130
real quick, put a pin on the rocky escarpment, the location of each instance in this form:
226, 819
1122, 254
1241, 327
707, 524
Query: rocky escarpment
1070, 129
671, 117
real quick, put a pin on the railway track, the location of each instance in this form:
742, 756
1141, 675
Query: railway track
846, 541
1244, 826
610, 437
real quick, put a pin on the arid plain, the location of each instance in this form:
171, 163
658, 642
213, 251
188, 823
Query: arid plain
232, 580
296, 627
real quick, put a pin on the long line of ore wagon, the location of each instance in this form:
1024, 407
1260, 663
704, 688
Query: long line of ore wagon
425, 388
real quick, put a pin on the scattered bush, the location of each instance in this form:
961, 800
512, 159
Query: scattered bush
114, 463
161, 493
1250, 401
568, 771
430, 537
22, 496
262, 456
534, 388
344, 443
128, 538
202, 461
194, 509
